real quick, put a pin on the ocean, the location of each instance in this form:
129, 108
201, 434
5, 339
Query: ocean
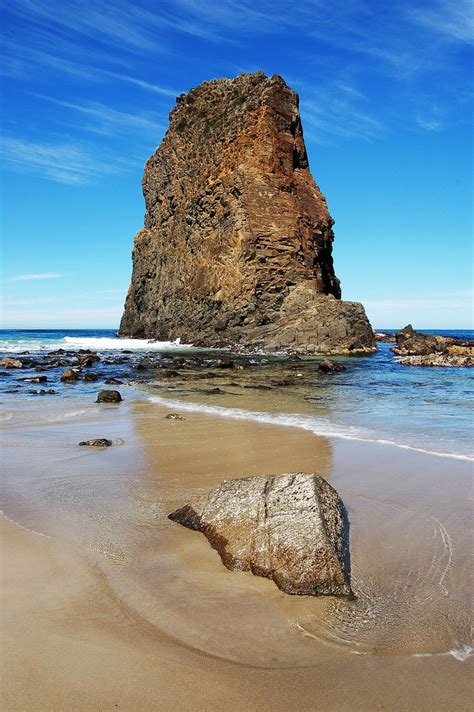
374, 400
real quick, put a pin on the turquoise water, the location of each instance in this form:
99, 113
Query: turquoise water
375, 399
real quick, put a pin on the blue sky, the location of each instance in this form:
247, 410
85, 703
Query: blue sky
386, 104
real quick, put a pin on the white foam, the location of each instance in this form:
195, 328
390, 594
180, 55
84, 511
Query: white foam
463, 653
107, 344
103, 343
460, 654
21, 526
318, 426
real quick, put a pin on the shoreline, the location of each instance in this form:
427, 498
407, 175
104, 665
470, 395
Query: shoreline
181, 618
292, 420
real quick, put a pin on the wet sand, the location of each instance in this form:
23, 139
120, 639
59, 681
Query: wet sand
108, 605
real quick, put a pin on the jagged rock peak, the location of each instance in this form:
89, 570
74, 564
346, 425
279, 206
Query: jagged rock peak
237, 243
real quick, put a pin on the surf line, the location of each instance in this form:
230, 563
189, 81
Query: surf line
295, 421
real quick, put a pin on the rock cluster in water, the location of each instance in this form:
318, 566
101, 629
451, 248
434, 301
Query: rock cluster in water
290, 528
237, 244
416, 349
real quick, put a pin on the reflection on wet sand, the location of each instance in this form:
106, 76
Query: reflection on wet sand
165, 593
402, 554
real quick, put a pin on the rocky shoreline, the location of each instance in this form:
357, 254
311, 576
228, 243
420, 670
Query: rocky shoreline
416, 349
50, 373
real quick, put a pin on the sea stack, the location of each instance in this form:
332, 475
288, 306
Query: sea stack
237, 245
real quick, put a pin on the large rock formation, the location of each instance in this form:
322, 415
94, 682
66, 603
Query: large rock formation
237, 243
290, 528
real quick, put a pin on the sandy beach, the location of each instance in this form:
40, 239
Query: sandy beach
107, 604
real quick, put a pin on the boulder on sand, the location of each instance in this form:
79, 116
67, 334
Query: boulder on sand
108, 397
291, 528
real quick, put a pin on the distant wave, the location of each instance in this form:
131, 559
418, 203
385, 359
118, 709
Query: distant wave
106, 344
318, 426
102, 343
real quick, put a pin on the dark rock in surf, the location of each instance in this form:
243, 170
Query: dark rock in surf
329, 366
90, 377
69, 376
109, 397
96, 442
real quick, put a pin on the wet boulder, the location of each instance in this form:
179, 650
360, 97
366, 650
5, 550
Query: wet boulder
107, 396
291, 528
90, 377
11, 363
69, 376
174, 416
330, 366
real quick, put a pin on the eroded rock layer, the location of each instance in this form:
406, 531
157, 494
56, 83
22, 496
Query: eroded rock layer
237, 243
290, 528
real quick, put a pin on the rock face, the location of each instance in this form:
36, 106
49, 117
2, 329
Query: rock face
290, 528
237, 243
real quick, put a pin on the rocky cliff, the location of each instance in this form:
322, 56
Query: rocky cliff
237, 243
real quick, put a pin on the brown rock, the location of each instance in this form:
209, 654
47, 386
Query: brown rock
290, 528
90, 377
96, 442
385, 338
237, 244
411, 342
11, 363
441, 360
329, 366
69, 376
107, 396
431, 350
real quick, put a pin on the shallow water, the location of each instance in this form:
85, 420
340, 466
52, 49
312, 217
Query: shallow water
409, 517
409, 502
375, 399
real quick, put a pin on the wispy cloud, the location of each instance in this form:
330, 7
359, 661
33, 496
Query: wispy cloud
134, 44
68, 163
428, 124
108, 23
31, 277
455, 20
108, 120
148, 86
